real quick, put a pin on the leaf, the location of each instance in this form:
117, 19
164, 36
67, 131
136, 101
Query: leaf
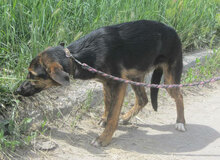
55, 12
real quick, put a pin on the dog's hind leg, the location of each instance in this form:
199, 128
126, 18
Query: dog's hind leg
116, 93
140, 101
172, 75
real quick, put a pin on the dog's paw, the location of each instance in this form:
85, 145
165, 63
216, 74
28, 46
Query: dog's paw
97, 142
180, 127
102, 123
123, 122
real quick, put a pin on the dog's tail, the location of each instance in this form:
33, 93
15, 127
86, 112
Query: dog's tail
155, 79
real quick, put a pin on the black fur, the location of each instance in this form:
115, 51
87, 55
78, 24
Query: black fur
133, 45
139, 45
127, 50
136, 45
156, 78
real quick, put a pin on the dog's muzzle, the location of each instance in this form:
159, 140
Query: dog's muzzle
27, 89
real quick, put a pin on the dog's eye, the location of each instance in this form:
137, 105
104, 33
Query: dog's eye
44, 76
30, 76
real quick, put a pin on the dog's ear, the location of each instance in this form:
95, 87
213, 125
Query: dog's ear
56, 72
62, 44
48, 48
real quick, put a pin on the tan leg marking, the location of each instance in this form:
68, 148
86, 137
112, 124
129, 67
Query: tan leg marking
140, 101
116, 99
177, 96
107, 101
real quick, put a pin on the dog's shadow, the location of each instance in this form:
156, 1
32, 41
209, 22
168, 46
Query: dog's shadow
167, 140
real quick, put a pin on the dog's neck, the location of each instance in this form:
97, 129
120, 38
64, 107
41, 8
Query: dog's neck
70, 59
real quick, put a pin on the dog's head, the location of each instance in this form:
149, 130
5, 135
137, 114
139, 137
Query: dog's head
44, 72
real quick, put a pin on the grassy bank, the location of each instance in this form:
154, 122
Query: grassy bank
204, 70
27, 27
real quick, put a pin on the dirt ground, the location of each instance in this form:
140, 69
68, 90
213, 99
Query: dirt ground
150, 135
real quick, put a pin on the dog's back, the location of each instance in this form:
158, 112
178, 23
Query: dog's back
132, 45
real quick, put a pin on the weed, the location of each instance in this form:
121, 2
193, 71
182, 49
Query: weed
84, 108
43, 128
204, 70
11, 133
88, 101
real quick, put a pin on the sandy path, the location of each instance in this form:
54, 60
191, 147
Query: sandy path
150, 136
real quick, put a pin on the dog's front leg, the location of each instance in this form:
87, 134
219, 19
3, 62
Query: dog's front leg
114, 95
107, 101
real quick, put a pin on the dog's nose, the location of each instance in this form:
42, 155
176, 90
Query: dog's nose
18, 91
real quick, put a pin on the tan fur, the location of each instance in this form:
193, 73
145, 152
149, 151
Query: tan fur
114, 108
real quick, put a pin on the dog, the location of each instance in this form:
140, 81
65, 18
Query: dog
129, 51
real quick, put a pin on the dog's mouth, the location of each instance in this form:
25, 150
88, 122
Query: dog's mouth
27, 89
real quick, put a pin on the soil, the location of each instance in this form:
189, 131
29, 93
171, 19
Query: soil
150, 135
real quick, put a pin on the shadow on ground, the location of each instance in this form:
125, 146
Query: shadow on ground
141, 139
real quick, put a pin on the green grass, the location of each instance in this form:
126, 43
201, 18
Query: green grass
204, 70
28, 27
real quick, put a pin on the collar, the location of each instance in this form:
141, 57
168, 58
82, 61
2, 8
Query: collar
69, 55
67, 51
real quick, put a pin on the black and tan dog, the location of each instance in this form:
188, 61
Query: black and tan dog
128, 50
